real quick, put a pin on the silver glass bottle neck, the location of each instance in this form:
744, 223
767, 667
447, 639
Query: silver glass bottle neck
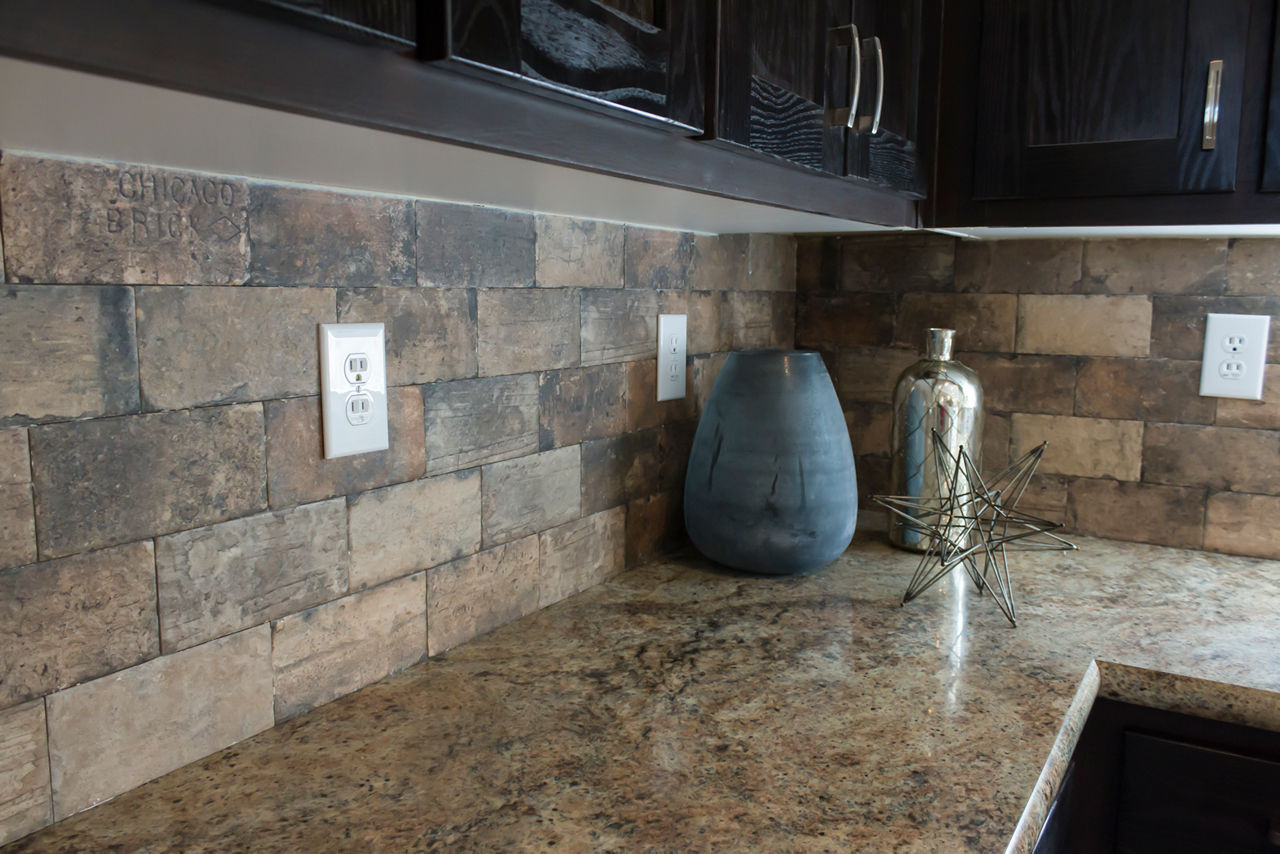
938, 344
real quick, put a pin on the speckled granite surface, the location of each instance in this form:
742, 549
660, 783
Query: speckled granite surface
682, 707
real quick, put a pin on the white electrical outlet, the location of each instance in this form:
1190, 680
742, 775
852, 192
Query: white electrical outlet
353, 388
671, 356
1235, 355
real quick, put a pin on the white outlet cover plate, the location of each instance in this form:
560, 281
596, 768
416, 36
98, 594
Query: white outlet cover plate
1235, 355
342, 386
672, 347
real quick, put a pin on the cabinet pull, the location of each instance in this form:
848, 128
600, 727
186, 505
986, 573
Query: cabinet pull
872, 124
1209, 139
848, 116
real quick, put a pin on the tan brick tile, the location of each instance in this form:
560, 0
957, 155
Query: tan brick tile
25, 795
115, 733
524, 330
578, 253
983, 322
1084, 325
1142, 389
228, 345
1019, 266
117, 223
412, 526
658, 259
531, 494
472, 422
581, 554
1137, 512
1243, 525
576, 404
470, 246
431, 333
1086, 447
336, 648
1155, 266
1221, 458
477, 594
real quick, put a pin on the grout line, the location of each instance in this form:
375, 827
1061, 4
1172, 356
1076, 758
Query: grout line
48, 755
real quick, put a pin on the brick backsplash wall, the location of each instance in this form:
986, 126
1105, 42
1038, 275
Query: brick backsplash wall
179, 566
1093, 345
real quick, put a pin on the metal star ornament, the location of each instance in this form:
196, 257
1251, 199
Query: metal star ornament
975, 521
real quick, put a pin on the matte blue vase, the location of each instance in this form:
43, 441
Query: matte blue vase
771, 486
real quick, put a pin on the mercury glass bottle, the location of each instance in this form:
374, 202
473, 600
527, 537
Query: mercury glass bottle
939, 394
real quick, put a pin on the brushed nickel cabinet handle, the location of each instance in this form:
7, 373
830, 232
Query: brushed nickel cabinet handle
1212, 92
872, 124
848, 117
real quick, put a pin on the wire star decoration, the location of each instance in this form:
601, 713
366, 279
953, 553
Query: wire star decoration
975, 521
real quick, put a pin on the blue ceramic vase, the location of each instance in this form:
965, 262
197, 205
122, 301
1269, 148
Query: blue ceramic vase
771, 486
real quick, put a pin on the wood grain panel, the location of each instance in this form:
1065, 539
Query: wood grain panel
1104, 72
785, 124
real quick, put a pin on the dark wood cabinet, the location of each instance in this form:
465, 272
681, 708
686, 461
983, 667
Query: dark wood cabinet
642, 60
1108, 97
882, 146
1093, 113
386, 22
833, 85
780, 72
1271, 144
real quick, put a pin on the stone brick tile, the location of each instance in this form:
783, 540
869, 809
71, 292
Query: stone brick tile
783, 331
870, 425
997, 431
228, 345
581, 554
1143, 389
656, 259
867, 375
77, 618
984, 322
748, 320
521, 331
675, 441
470, 246
1224, 458
1072, 325
1253, 267
1046, 497
897, 263
1137, 512
619, 469
619, 326
217, 580
817, 264
1086, 447
78, 222
15, 461
1019, 266
1177, 324
1242, 525
431, 333
720, 262
477, 594
655, 526
401, 529
872, 471
472, 422
17, 525
705, 324
115, 733
1155, 266
76, 355
25, 796
578, 253
1025, 383
771, 262
644, 410
531, 494
845, 320
581, 403
1260, 414
297, 471
98, 483
705, 371
303, 236
339, 647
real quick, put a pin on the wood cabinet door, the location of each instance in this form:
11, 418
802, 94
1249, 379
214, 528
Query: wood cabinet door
643, 60
1107, 97
385, 22
783, 72
1271, 143
881, 147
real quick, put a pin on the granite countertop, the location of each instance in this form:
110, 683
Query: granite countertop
685, 707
